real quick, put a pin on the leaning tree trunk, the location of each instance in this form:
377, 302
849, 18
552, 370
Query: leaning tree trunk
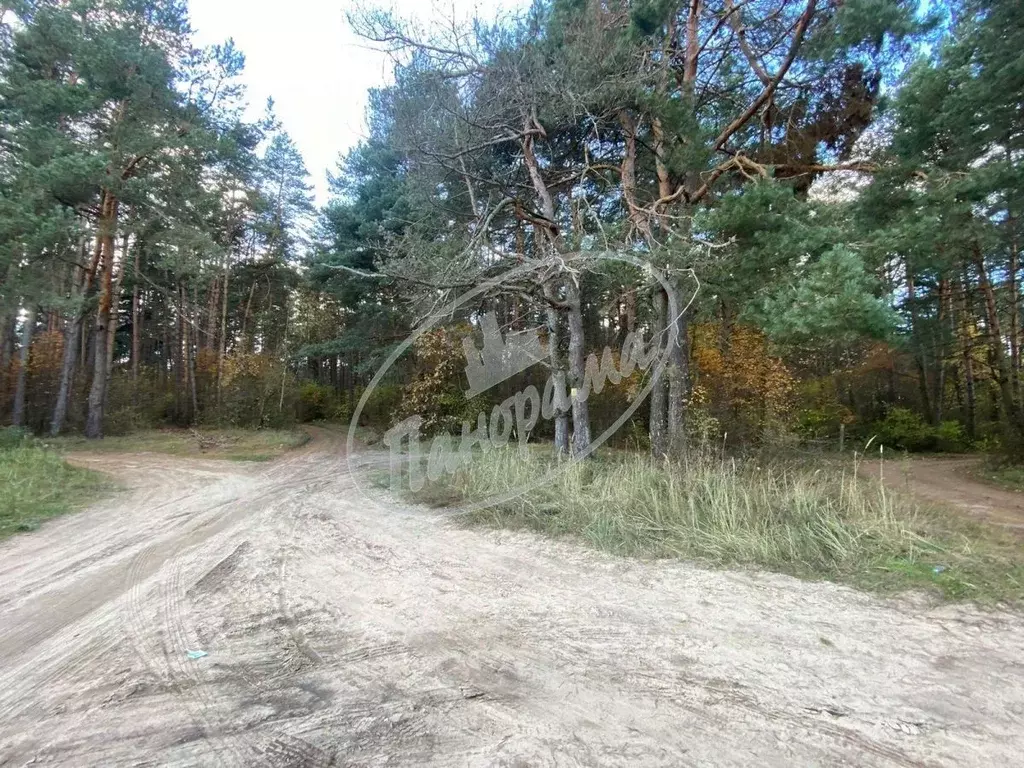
18, 417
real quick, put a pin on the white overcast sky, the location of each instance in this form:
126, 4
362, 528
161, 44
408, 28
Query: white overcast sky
303, 54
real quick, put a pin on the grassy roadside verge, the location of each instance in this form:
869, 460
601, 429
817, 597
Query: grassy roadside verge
228, 444
36, 484
815, 521
1007, 477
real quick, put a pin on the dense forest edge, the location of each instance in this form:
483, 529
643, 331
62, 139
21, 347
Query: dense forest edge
828, 193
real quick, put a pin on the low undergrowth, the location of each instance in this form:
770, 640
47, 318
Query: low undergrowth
37, 484
809, 519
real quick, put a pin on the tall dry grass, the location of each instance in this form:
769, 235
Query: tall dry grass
812, 519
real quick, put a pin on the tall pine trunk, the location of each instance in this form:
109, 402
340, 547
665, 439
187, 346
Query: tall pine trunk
678, 374
98, 390
1002, 368
939, 380
922, 369
222, 351
212, 315
18, 415
659, 390
190, 346
967, 353
554, 319
112, 325
74, 341
1014, 301
577, 368
136, 316
550, 237
6, 341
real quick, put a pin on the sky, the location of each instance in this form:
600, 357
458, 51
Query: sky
303, 54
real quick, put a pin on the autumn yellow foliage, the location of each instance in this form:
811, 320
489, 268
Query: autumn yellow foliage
737, 378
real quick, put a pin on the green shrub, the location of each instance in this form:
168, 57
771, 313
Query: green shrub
257, 393
435, 392
823, 422
137, 403
702, 428
318, 402
905, 430
13, 437
382, 406
950, 436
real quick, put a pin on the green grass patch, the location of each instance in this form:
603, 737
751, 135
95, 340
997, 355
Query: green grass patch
811, 520
228, 444
36, 484
1008, 476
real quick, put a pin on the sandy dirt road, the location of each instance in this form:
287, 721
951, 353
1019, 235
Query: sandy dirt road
347, 630
949, 480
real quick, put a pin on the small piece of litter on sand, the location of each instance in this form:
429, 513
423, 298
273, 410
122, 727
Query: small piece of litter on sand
196, 654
